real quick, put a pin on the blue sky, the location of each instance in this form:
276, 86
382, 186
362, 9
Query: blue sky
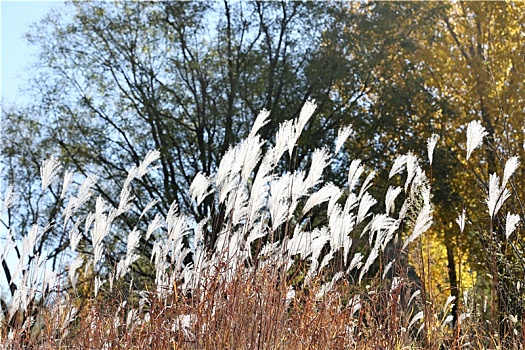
16, 55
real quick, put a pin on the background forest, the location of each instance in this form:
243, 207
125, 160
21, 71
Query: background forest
116, 80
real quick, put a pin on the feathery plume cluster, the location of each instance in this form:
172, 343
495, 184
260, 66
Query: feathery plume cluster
475, 134
267, 225
49, 171
497, 195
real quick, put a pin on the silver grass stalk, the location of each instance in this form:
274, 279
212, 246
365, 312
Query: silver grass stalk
259, 193
126, 198
423, 223
84, 193
404, 209
144, 166
228, 187
72, 271
398, 165
374, 253
260, 121
497, 195
356, 262
413, 296
239, 204
431, 145
306, 113
387, 269
285, 139
225, 166
133, 241
475, 134
448, 303
366, 184
49, 171
250, 154
366, 202
279, 200
354, 173
351, 202
199, 187
342, 136
447, 321
300, 243
390, 198
98, 284
461, 221
50, 279
8, 199
290, 136
68, 178
510, 167
416, 318
74, 236
396, 282
322, 195
320, 160
341, 224
154, 225
148, 207
102, 224
412, 165
510, 226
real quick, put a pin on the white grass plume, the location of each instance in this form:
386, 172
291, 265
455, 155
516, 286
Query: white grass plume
342, 136
417, 317
510, 226
320, 160
387, 268
423, 223
390, 198
497, 195
475, 134
306, 113
199, 187
144, 166
354, 173
68, 178
324, 194
431, 145
369, 261
75, 265
413, 170
154, 225
398, 164
510, 167
74, 236
225, 166
461, 221
285, 139
249, 152
356, 262
366, 184
8, 199
260, 121
49, 171
366, 202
